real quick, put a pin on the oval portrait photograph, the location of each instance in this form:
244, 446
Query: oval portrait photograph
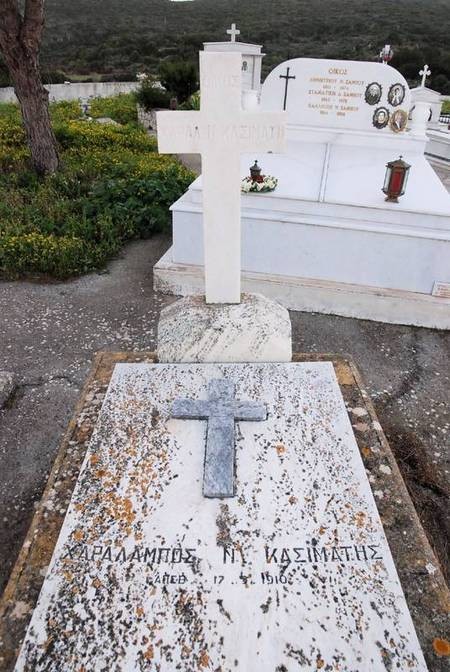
381, 117
396, 94
399, 121
373, 93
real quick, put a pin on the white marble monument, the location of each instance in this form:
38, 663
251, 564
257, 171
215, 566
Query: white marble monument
251, 55
294, 572
438, 133
326, 240
221, 132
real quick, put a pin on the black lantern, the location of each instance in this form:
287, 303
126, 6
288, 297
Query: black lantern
255, 172
397, 173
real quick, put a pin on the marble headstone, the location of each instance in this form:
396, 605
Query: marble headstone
326, 240
350, 95
293, 573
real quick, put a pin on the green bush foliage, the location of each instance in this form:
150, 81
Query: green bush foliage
113, 187
121, 108
151, 96
192, 103
179, 78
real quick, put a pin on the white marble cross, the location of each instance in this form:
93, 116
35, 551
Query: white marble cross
221, 131
426, 72
234, 32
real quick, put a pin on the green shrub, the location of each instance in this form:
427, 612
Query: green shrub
151, 96
36, 252
113, 186
121, 108
192, 103
141, 203
65, 111
179, 78
10, 112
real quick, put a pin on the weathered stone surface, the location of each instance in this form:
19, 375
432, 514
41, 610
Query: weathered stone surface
294, 572
256, 330
7, 385
221, 411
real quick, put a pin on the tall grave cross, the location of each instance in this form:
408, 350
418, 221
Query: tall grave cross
221, 131
234, 32
426, 72
287, 77
221, 411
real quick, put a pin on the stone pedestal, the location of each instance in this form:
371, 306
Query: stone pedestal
256, 330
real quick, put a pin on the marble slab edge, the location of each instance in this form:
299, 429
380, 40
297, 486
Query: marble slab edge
425, 589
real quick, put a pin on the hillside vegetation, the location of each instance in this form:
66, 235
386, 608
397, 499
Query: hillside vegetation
116, 39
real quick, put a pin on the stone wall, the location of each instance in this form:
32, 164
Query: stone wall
147, 119
76, 90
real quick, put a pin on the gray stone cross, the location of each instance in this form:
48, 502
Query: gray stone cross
221, 411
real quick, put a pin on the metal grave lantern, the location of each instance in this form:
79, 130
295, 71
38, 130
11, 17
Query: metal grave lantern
397, 173
255, 172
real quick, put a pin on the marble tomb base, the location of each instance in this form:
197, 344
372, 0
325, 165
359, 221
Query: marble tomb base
295, 570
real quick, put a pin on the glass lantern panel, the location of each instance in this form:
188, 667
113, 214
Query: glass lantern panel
397, 181
387, 180
405, 182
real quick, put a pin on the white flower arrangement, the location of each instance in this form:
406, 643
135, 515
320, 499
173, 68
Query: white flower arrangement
265, 184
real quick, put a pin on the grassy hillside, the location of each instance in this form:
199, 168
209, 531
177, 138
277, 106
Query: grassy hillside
117, 38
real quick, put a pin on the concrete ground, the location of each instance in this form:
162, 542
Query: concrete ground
49, 333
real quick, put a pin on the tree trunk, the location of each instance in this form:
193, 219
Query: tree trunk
20, 38
33, 99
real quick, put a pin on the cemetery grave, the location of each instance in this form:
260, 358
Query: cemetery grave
345, 122
223, 516
426, 590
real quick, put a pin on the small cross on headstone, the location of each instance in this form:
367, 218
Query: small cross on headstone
221, 131
287, 77
221, 411
234, 32
426, 72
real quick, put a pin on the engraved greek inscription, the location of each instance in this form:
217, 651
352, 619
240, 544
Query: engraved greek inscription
313, 553
225, 82
271, 555
229, 555
375, 554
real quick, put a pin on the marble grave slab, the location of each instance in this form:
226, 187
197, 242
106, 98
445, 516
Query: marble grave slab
293, 573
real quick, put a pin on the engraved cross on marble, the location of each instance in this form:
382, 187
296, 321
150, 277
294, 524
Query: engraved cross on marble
222, 411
